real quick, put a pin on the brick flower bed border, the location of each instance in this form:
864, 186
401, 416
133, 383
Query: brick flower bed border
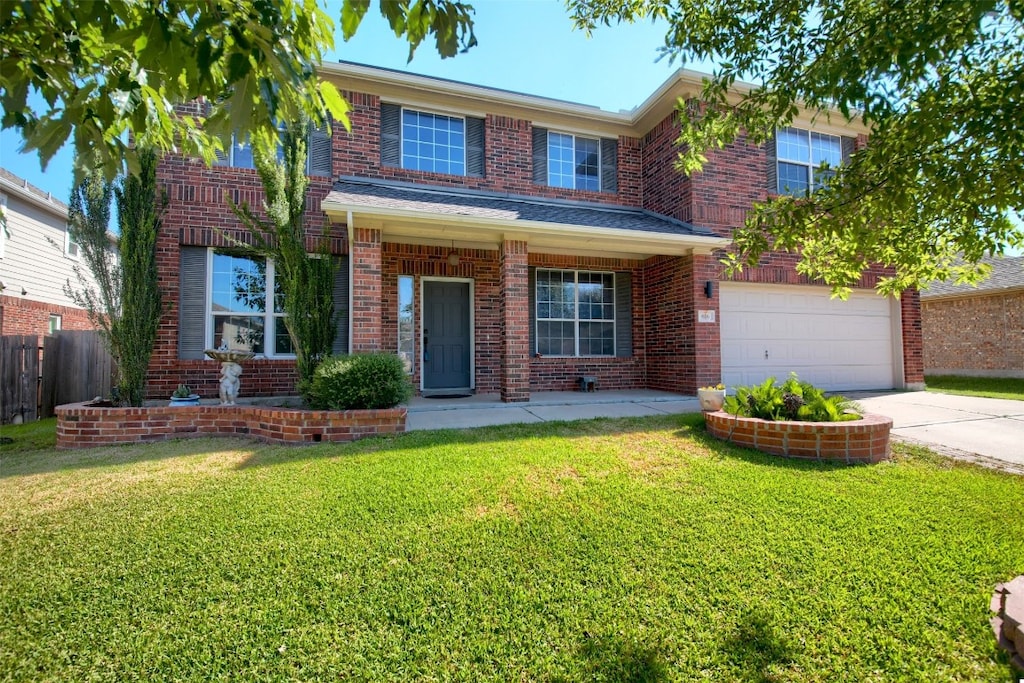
82, 426
858, 441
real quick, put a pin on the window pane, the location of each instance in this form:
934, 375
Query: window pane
282, 341
556, 339
792, 179
588, 167
792, 145
406, 328
826, 149
239, 284
242, 154
239, 332
560, 160
433, 142
597, 339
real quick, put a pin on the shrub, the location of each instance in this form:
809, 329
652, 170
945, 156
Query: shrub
793, 400
359, 382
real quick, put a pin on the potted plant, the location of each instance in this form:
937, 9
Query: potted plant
183, 396
711, 398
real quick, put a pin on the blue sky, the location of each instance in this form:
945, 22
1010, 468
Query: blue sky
528, 46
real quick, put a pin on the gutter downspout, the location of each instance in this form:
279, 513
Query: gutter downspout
351, 277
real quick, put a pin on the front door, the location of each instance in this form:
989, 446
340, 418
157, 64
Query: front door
447, 344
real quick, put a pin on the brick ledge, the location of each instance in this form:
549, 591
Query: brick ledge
82, 426
858, 441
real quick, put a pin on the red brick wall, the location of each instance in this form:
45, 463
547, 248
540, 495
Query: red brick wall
981, 334
79, 426
665, 190
671, 315
24, 316
509, 158
860, 441
515, 322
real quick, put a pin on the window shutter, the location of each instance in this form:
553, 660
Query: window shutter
532, 296
341, 306
192, 304
624, 315
320, 152
390, 135
540, 155
771, 161
609, 165
474, 147
848, 145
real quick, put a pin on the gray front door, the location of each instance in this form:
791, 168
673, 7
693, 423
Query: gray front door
446, 336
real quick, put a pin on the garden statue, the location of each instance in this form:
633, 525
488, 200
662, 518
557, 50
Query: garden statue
229, 374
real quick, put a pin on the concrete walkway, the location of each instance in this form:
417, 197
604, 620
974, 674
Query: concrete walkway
990, 431
487, 409
983, 429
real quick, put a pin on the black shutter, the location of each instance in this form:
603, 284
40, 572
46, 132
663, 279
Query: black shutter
390, 135
341, 306
320, 152
192, 304
609, 165
848, 145
474, 147
771, 164
540, 155
532, 296
623, 315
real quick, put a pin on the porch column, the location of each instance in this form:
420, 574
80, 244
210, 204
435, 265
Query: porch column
365, 316
515, 322
707, 335
913, 340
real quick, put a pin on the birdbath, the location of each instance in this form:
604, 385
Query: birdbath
230, 371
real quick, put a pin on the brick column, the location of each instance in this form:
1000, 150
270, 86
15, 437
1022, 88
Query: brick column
913, 340
515, 322
365, 316
707, 336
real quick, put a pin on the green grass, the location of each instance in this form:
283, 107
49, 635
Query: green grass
31, 436
988, 387
603, 550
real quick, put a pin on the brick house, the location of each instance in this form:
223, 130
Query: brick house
506, 244
37, 258
976, 331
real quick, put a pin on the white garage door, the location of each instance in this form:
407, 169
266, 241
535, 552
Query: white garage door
774, 330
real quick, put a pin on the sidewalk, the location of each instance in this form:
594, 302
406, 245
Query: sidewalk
487, 409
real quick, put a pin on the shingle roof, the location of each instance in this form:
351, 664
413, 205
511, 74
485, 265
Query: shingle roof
1007, 273
446, 201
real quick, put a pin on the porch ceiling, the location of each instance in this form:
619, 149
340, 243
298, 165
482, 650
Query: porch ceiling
479, 220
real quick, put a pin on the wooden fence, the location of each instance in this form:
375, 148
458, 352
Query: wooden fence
70, 366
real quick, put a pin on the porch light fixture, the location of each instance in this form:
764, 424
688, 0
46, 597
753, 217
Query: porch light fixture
709, 288
453, 256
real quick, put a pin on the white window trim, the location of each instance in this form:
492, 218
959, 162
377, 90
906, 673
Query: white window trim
809, 163
413, 360
576, 292
575, 136
229, 161
3, 223
55, 317
269, 330
69, 243
420, 110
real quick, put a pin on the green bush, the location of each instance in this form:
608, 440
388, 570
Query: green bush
359, 382
793, 400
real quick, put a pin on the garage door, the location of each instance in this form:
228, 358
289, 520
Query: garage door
774, 330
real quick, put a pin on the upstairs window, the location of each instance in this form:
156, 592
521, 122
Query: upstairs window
71, 248
433, 142
574, 162
575, 313
318, 153
802, 156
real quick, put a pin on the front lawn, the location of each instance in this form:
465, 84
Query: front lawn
603, 550
987, 387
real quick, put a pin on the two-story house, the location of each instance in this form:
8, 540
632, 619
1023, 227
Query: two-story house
506, 244
37, 259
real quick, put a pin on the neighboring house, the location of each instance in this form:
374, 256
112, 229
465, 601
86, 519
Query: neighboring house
506, 243
976, 331
37, 258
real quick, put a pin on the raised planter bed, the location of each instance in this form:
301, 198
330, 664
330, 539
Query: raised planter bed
80, 425
858, 441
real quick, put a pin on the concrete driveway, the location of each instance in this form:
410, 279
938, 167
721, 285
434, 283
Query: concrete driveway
962, 426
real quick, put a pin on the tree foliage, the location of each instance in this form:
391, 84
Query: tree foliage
124, 303
307, 280
940, 84
111, 72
